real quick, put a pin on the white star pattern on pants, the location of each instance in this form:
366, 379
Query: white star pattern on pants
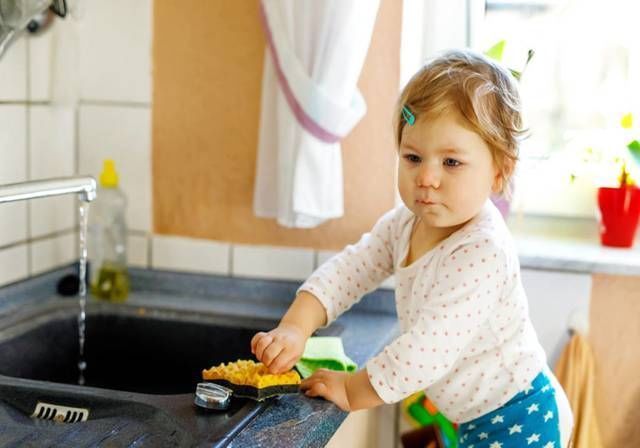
545, 388
505, 428
533, 438
514, 429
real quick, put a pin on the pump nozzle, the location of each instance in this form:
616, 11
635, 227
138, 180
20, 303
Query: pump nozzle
109, 176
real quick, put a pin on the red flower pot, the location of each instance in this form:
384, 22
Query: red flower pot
619, 212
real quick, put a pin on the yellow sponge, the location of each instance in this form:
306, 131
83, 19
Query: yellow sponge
252, 379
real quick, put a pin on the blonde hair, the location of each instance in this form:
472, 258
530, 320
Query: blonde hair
481, 91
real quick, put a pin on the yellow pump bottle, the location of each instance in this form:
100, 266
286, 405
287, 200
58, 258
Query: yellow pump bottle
108, 239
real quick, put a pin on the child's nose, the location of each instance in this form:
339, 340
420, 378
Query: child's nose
428, 176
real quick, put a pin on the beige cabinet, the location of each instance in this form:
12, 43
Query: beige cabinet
373, 428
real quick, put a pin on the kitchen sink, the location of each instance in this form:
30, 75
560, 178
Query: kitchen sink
132, 351
143, 364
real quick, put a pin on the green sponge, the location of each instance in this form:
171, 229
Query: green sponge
324, 352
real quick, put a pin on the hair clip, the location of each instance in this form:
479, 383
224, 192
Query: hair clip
408, 116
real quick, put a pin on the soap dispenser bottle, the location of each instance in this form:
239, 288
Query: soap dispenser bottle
108, 238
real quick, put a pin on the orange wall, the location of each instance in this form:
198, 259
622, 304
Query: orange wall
207, 59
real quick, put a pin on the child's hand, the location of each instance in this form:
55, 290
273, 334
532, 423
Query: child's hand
280, 348
330, 385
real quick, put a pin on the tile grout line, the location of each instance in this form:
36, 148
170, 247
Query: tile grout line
28, 154
44, 237
76, 171
149, 238
114, 103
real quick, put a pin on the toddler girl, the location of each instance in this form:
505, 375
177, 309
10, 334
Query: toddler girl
467, 339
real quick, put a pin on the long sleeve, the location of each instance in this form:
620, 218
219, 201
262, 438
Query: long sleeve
453, 308
360, 268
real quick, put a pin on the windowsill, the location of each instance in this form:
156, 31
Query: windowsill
569, 244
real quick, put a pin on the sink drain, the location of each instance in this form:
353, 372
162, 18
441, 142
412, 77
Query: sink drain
61, 414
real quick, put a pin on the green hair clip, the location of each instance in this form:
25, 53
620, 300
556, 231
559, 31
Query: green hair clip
408, 116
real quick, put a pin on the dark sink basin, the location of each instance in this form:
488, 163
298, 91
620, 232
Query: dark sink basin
143, 365
134, 353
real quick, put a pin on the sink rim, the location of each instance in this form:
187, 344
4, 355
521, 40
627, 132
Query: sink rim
169, 405
35, 315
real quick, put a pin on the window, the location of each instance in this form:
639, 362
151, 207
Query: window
583, 78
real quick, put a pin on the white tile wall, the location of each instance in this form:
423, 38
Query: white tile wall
323, 256
13, 223
36, 141
41, 51
51, 154
124, 135
115, 50
13, 168
189, 254
63, 74
137, 251
272, 262
49, 253
13, 264
13, 72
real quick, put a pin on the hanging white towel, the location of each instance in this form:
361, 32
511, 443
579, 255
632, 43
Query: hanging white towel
310, 101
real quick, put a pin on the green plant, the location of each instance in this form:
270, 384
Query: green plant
634, 152
621, 161
496, 52
590, 156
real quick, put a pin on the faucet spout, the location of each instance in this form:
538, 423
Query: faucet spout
84, 186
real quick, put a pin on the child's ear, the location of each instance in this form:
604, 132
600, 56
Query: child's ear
501, 173
498, 183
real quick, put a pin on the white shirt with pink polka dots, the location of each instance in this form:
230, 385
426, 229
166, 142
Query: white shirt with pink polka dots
467, 339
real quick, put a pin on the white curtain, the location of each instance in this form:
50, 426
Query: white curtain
310, 102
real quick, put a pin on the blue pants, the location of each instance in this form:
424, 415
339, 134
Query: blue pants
530, 419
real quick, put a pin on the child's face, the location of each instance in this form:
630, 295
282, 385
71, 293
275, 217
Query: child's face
446, 171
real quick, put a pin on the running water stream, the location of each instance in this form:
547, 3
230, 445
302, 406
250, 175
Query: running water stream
82, 291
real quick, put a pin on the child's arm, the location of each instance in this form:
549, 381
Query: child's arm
306, 312
359, 268
332, 289
282, 347
360, 392
350, 392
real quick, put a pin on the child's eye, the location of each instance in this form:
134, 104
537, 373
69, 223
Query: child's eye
412, 158
452, 162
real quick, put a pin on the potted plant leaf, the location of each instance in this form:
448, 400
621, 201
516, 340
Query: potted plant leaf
620, 206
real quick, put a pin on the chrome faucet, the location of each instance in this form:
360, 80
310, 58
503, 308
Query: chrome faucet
84, 186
